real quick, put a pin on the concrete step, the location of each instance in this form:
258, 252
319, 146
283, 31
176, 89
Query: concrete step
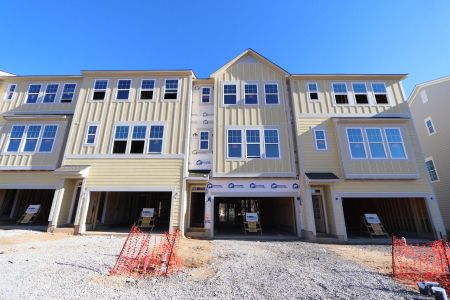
68, 230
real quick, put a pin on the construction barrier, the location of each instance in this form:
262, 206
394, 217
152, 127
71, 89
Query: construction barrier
146, 254
428, 261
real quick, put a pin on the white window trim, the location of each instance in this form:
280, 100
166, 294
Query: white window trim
369, 99
24, 138
129, 138
42, 137
38, 142
383, 142
430, 158
56, 94
201, 94
324, 136
178, 90
402, 141
129, 90
241, 143
374, 94
363, 142
154, 89
62, 93
264, 142
223, 92
147, 138
334, 94
309, 92
86, 134
100, 90
253, 143
200, 140
278, 93
432, 124
8, 87
39, 97
243, 92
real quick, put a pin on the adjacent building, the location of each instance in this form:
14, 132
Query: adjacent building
309, 153
430, 106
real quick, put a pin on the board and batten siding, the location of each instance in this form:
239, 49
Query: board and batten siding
259, 116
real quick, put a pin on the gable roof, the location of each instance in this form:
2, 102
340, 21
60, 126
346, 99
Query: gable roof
419, 86
255, 54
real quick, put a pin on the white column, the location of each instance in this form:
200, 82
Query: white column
209, 214
56, 207
436, 217
298, 214
310, 225
339, 218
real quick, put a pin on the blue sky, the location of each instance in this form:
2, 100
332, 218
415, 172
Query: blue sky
320, 36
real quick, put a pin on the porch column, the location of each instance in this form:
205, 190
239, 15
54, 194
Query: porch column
309, 231
82, 208
436, 217
339, 218
209, 215
56, 207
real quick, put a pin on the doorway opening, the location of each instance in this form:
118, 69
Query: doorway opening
197, 214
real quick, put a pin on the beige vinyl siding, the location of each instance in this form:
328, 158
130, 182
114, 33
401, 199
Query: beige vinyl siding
246, 116
110, 111
325, 104
35, 160
29, 178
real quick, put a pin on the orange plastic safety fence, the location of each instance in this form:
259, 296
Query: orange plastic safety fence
144, 254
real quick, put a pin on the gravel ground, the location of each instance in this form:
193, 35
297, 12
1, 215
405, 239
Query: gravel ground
77, 267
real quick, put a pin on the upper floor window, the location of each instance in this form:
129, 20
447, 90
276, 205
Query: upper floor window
206, 94
395, 143
234, 138
250, 94
91, 135
155, 145
50, 93
340, 93
120, 139
356, 143
138, 139
320, 139
431, 168
430, 126
123, 89
229, 94
32, 137
10, 91
68, 92
171, 89
15, 138
33, 93
313, 91
271, 143
204, 140
100, 87
271, 93
360, 91
48, 138
253, 143
376, 144
147, 89
379, 90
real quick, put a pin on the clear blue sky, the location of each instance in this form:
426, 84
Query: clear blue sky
320, 36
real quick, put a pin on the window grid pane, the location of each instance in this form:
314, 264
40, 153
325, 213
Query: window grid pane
121, 133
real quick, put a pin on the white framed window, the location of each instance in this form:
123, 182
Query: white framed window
340, 93
355, 140
10, 92
48, 138
376, 143
50, 93
123, 89
147, 89
15, 138
229, 93
155, 145
138, 138
32, 138
204, 140
424, 96
68, 92
171, 89
380, 92
431, 168
271, 94
206, 94
120, 141
91, 134
250, 94
313, 91
253, 143
395, 143
360, 92
320, 139
100, 86
234, 143
33, 93
271, 143
430, 126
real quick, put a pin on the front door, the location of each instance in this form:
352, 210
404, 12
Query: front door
197, 209
319, 215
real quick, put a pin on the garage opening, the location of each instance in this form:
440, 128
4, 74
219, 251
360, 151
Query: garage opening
400, 216
14, 202
276, 215
118, 211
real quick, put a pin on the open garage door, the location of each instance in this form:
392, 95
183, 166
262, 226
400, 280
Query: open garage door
120, 210
14, 202
276, 215
400, 216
